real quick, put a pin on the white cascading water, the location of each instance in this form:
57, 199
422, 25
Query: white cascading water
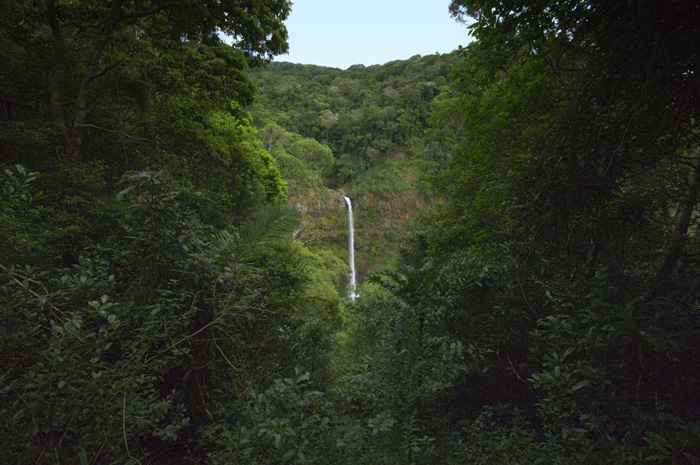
351, 250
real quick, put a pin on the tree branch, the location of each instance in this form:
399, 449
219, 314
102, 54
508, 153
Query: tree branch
124, 134
105, 70
682, 221
59, 69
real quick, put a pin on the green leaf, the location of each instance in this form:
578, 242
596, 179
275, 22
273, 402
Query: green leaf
121, 194
580, 385
650, 339
278, 441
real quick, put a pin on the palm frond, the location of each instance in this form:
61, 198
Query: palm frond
277, 223
224, 240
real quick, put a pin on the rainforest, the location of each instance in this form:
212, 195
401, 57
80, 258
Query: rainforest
175, 270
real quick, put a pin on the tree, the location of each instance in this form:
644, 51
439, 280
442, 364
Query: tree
146, 348
573, 128
619, 69
315, 155
91, 39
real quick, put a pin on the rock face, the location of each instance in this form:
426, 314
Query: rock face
380, 223
319, 207
325, 220
381, 208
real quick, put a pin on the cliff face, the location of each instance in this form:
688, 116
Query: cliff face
325, 220
319, 207
382, 205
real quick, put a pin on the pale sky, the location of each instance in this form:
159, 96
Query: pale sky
341, 33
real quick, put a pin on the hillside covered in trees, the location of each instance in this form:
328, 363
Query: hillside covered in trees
363, 132
173, 271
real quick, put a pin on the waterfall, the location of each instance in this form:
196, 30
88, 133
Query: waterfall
351, 250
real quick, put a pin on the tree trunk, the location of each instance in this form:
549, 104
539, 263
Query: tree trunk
682, 221
59, 72
80, 109
73, 136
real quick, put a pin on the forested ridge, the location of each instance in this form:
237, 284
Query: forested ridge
364, 132
173, 273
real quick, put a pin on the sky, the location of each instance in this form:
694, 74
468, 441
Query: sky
342, 33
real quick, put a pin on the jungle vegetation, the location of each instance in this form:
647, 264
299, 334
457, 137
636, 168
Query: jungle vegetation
171, 273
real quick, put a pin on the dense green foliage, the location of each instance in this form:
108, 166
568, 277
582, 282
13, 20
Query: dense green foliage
373, 120
140, 85
362, 113
547, 312
150, 283
569, 237
170, 279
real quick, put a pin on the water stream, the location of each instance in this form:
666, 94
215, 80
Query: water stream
351, 250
